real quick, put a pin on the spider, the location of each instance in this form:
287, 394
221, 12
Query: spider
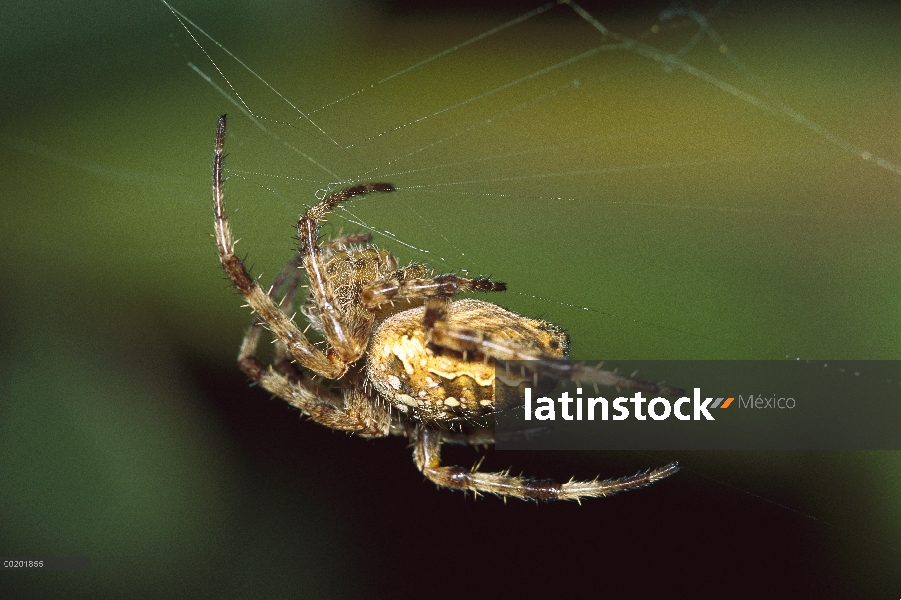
404, 357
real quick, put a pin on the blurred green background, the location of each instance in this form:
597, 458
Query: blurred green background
651, 213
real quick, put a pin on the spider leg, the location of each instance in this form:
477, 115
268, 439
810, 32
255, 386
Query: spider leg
454, 336
361, 406
291, 274
292, 268
314, 400
441, 286
427, 455
348, 342
289, 270
283, 327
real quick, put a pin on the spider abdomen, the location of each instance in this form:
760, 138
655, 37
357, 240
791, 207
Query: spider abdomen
439, 384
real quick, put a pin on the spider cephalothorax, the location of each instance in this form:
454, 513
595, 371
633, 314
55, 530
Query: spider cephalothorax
404, 357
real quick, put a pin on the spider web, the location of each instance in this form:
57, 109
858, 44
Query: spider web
644, 172
691, 182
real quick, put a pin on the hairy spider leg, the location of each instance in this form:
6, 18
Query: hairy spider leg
427, 455
348, 343
454, 336
261, 303
440, 286
314, 400
292, 274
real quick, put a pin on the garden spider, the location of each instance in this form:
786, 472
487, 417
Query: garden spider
408, 359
